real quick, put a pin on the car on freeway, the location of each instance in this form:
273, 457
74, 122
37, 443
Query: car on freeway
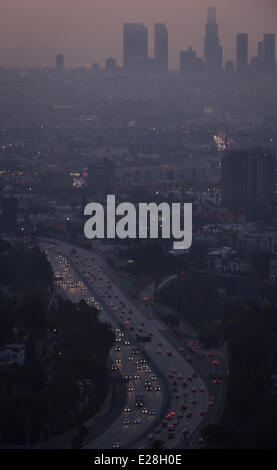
126, 422
169, 353
151, 413
217, 381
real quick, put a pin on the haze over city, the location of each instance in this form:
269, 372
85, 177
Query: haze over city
32, 32
138, 227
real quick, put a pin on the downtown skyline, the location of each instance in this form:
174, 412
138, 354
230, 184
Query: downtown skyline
87, 34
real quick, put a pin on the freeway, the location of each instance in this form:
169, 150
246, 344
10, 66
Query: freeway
173, 393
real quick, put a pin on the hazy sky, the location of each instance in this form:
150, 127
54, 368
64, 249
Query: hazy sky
33, 31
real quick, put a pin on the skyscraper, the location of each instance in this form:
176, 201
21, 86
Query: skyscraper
9, 213
212, 48
161, 47
59, 63
268, 53
135, 44
248, 178
242, 54
101, 178
191, 66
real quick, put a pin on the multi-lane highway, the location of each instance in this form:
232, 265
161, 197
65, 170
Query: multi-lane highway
160, 374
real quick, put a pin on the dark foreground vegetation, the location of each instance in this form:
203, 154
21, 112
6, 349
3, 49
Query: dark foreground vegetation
62, 378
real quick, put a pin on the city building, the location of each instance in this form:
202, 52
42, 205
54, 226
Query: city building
264, 63
101, 178
268, 53
229, 68
135, 45
9, 213
212, 49
190, 65
59, 63
12, 355
248, 178
110, 64
161, 47
242, 54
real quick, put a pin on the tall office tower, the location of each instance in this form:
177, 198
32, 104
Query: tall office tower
248, 178
190, 65
161, 47
101, 178
260, 50
268, 53
242, 54
111, 64
59, 63
229, 68
212, 48
9, 213
135, 44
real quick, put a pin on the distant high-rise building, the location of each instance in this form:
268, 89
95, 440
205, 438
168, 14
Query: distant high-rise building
190, 65
268, 53
212, 48
60, 63
264, 63
135, 44
101, 178
242, 54
229, 68
110, 64
161, 47
9, 213
260, 50
248, 178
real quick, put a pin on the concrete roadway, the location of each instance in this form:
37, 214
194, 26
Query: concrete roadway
84, 276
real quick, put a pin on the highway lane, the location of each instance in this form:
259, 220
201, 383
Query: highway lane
76, 290
89, 272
